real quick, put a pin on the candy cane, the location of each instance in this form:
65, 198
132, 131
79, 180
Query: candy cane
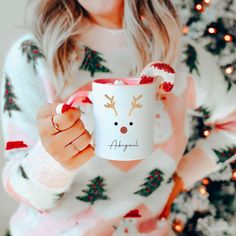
159, 69
63, 107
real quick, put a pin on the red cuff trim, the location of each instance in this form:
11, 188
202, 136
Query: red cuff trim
134, 214
15, 144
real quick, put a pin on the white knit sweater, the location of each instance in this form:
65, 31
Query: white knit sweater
106, 197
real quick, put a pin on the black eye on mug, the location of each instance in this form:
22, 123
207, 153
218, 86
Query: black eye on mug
131, 123
116, 123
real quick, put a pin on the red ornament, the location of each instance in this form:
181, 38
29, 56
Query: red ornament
10, 100
7, 91
35, 51
15, 144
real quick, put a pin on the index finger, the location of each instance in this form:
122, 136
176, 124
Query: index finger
50, 109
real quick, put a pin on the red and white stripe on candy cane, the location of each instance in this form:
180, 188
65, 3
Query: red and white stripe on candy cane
62, 107
165, 71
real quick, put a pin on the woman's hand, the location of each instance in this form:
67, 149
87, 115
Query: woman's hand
69, 142
178, 188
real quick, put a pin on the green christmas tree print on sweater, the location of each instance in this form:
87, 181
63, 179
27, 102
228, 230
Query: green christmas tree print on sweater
95, 191
92, 62
32, 52
198, 126
153, 181
10, 103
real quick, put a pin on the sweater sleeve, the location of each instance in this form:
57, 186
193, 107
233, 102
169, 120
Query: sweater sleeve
217, 100
30, 174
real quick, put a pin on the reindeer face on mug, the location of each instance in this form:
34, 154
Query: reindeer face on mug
123, 118
134, 105
124, 112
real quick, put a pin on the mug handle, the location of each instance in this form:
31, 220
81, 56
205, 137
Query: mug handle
80, 97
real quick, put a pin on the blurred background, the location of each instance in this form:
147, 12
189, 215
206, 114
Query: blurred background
209, 209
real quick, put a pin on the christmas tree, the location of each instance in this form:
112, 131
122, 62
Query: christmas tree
32, 52
225, 154
209, 208
95, 191
22, 171
92, 62
9, 96
153, 181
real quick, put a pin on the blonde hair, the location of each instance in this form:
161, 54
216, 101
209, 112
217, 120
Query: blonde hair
152, 27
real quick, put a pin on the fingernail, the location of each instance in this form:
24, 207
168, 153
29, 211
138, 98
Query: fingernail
62, 107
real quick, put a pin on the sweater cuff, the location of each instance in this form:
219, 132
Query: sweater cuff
45, 170
194, 166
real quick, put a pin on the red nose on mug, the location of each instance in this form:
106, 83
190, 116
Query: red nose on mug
123, 130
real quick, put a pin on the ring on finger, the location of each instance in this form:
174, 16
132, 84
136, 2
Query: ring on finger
55, 125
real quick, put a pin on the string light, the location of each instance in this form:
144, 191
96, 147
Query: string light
212, 30
202, 190
206, 133
228, 38
207, 1
178, 226
185, 29
205, 181
234, 175
229, 70
199, 7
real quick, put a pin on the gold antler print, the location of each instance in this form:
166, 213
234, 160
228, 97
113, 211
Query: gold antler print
111, 104
135, 105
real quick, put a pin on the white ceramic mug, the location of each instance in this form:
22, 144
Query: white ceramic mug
123, 117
